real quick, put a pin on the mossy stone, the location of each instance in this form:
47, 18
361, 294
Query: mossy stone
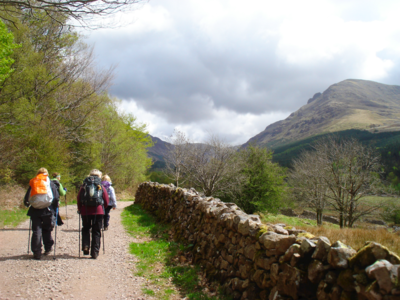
306, 235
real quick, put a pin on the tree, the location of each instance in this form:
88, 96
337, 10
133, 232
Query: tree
343, 172
205, 166
176, 157
6, 50
259, 183
83, 11
208, 166
55, 111
46, 103
122, 144
308, 180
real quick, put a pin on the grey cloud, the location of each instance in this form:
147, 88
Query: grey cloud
182, 76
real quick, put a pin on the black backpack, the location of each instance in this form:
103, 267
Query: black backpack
92, 194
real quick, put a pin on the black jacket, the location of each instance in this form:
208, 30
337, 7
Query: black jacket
51, 210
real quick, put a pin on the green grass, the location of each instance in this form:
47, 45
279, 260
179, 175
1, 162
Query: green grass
157, 258
148, 292
293, 221
12, 217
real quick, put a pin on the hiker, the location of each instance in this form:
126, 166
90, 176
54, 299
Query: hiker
106, 182
92, 198
61, 190
56, 180
42, 197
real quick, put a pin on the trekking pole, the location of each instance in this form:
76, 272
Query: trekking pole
79, 216
29, 237
104, 249
66, 210
55, 237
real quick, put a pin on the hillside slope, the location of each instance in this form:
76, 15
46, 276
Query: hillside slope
159, 150
350, 104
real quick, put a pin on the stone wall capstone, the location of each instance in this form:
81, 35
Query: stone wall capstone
253, 260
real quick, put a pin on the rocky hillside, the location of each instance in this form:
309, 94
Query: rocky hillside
159, 150
350, 104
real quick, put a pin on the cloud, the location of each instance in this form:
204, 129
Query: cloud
235, 132
203, 65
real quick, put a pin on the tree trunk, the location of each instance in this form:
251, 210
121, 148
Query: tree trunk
341, 221
319, 217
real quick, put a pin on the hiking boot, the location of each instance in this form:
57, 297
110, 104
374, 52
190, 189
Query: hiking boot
105, 228
95, 255
86, 250
47, 252
37, 255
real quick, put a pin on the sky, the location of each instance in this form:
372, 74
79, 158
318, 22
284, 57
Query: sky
230, 68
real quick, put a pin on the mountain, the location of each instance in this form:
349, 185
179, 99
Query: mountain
158, 152
349, 104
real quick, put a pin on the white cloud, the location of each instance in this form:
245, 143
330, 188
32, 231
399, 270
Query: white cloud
235, 128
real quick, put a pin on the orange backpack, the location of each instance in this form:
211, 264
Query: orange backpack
41, 195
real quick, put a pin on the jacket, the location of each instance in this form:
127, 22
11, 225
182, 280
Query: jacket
92, 210
111, 193
51, 210
60, 187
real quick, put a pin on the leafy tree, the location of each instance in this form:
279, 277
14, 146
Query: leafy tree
6, 50
263, 182
122, 147
45, 103
55, 110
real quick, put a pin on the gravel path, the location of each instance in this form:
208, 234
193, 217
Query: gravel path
110, 276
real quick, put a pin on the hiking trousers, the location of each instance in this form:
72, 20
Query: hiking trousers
42, 227
107, 216
95, 223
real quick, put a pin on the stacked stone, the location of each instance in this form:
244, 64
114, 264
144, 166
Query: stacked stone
263, 261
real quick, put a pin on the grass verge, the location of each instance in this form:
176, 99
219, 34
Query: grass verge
12, 217
159, 259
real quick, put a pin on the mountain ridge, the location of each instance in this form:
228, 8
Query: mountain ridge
349, 104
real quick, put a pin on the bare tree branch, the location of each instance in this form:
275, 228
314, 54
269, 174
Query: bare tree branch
82, 11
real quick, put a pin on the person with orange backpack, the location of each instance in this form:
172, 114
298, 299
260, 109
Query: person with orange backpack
42, 198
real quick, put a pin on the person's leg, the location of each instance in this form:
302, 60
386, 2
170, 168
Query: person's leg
86, 225
47, 228
36, 242
107, 217
96, 236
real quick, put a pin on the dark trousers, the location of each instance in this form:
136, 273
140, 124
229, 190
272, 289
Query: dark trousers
42, 227
94, 223
107, 216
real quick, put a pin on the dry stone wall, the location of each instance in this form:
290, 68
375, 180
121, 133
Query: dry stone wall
253, 260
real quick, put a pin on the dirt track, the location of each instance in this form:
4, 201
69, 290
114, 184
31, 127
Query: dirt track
110, 276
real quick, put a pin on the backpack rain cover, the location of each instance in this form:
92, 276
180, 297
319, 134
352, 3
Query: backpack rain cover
41, 195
